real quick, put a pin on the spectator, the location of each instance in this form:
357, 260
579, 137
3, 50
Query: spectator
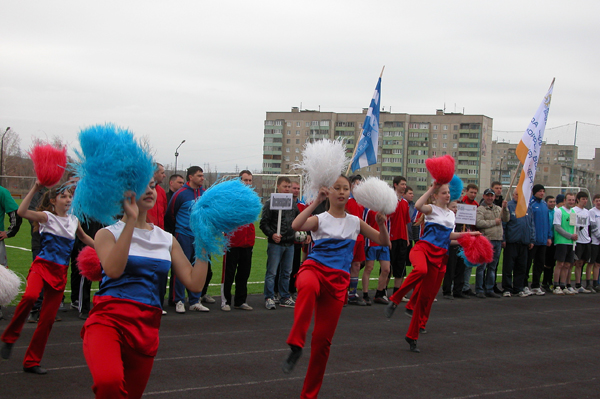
543, 239
470, 193
280, 248
399, 222
519, 236
156, 215
497, 187
564, 238
584, 242
178, 210
237, 261
454, 279
175, 183
489, 221
550, 250
7, 206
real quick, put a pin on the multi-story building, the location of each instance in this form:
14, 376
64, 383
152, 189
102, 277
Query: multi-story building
405, 141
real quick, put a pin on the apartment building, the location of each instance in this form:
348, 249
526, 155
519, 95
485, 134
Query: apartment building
405, 141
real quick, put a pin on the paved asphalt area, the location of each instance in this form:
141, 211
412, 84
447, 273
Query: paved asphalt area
535, 347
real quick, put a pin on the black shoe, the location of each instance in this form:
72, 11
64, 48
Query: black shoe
83, 316
469, 293
6, 350
34, 316
358, 301
497, 290
35, 370
408, 312
75, 305
492, 295
389, 310
449, 297
413, 345
461, 296
289, 363
422, 331
367, 300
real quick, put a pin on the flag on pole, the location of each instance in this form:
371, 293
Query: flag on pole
366, 151
528, 152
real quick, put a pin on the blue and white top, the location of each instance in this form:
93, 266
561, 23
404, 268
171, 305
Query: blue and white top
57, 237
438, 226
334, 241
147, 266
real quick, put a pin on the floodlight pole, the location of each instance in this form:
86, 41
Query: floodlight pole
177, 154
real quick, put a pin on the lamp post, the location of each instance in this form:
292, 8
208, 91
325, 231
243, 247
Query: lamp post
2, 157
177, 154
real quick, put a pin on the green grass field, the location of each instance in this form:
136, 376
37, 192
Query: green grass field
19, 260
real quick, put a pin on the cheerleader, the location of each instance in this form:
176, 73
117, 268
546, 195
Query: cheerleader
323, 278
48, 270
120, 336
428, 257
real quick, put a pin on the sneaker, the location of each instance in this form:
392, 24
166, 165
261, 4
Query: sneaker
480, 295
412, 345
537, 291
208, 299
6, 350
408, 312
226, 308
295, 296
287, 303
492, 295
75, 305
292, 359
497, 290
179, 307
198, 307
469, 293
506, 294
582, 290
522, 294
405, 299
270, 304
244, 306
382, 300
558, 291
276, 299
84, 316
547, 288
367, 300
35, 370
33, 316
461, 295
566, 291
389, 309
358, 301
572, 290
449, 297
597, 288
422, 331
591, 289
164, 312
527, 291
63, 307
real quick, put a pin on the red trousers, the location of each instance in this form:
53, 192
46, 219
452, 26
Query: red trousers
118, 371
425, 279
314, 296
50, 305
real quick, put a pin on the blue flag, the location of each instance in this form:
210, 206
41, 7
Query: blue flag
366, 152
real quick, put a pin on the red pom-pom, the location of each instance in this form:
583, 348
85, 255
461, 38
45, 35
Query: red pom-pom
477, 249
89, 264
49, 163
441, 168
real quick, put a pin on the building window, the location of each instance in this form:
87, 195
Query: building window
297, 132
278, 123
289, 124
435, 135
455, 136
297, 150
455, 127
455, 145
269, 123
324, 123
297, 124
445, 127
444, 145
315, 123
289, 132
297, 158
434, 145
297, 141
445, 136
287, 141
435, 127
307, 124
287, 149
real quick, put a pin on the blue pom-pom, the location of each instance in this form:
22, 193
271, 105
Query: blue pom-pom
456, 187
111, 162
461, 253
220, 211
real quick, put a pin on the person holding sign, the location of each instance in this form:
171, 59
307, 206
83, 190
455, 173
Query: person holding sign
277, 226
428, 257
324, 277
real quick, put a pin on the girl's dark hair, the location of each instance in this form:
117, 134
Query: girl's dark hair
46, 205
327, 199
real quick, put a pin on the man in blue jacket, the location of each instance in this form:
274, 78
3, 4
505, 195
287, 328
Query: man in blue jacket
519, 235
543, 238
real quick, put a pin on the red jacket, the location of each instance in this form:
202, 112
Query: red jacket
156, 215
243, 237
399, 221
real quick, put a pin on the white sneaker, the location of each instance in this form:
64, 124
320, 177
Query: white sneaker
506, 294
198, 307
566, 291
270, 304
226, 308
558, 291
523, 294
405, 299
208, 299
572, 290
244, 306
582, 290
538, 291
180, 307
527, 291
164, 312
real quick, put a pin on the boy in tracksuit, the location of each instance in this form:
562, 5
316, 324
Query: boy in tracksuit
544, 232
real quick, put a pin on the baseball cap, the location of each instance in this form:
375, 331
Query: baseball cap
489, 191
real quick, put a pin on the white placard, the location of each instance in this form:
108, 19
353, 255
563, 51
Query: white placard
281, 202
466, 214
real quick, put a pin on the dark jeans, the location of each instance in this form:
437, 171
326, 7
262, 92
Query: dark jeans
514, 266
237, 262
537, 256
455, 270
295, 268
549, 266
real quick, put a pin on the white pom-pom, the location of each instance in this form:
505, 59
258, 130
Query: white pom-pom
323, 162
10, 283
376, 195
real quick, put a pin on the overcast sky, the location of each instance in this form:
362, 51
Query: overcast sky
207, 72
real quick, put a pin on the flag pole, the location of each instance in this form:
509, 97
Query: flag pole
512, 182
361, 132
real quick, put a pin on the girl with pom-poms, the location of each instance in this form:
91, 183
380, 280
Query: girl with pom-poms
48, 271
323, 278
428, 257
120, 336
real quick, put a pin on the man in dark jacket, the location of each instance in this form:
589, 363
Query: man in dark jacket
544, 232
280, 249
519, 234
